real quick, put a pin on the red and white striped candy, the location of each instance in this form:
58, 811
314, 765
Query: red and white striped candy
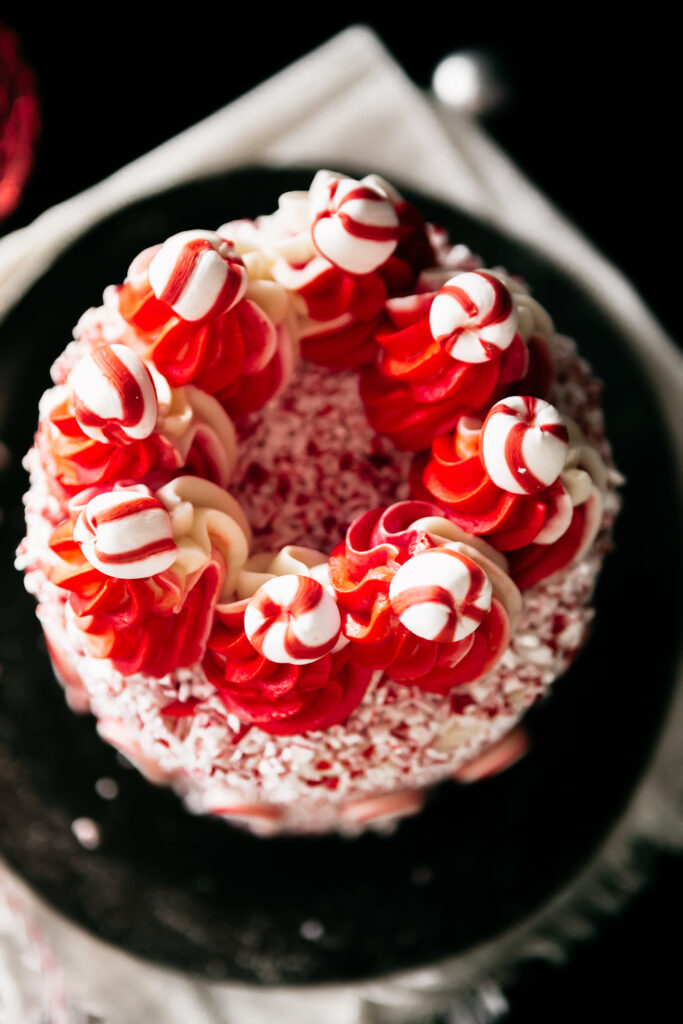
441, 594
114, 397
198, 274
292, 620
355, 225
475, 316
126, 533
523, 444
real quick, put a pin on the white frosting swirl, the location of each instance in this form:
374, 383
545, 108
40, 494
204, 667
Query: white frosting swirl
206, 522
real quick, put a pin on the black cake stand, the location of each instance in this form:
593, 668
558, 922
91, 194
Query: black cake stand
197, 894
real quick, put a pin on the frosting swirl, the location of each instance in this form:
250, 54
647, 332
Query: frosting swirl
229, 345
282, 697
338, 309
192, 431
144, 571
440, 358
515, 480
420, 598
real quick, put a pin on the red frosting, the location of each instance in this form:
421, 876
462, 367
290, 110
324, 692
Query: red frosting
361, 571
509, 522
417, 390
360, 297
279, 699
74, 461
152, 625
235, 356
334, 294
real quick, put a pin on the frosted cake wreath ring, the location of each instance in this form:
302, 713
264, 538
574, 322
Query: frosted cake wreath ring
317, 507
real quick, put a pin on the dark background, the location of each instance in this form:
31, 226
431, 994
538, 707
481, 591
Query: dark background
593, 117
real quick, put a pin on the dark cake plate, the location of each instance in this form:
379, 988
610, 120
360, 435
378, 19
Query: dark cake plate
197, 894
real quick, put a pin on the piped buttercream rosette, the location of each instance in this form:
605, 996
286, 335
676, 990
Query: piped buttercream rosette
421, 599
277, 656
525, 479
451, 352
116, 417
341, 249
201, 316
145, 570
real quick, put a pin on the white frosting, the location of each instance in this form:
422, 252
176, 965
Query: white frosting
462, 315
189, 416
316, 628
208, 278
93, 385
122, 524
333, 202
207, 523
437, 617
543, 455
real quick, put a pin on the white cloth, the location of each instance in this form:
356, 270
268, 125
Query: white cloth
346, 103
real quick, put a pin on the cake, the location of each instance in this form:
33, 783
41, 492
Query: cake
317, 506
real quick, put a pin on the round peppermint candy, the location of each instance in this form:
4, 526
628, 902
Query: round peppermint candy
524, 444
126, 533
114, 397
198, 274
475, 317
355, 225
292, 620
441, 594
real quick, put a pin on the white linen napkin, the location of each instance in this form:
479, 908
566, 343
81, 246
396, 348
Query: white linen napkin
349, 103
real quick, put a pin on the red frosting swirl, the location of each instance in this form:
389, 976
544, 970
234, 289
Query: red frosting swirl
353, 305
356, 301
236, 356
509, 522
361, 570
152, 625
74, 461
280, 699
418, 390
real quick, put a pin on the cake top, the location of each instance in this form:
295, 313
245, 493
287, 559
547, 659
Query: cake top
140, 435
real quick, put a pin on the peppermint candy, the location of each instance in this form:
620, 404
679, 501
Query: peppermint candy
441, 594
355, 225
475, 316
114, 397
126, 533
524, 444
292, 620
198, 274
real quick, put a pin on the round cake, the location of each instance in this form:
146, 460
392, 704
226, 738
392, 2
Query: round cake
317, 507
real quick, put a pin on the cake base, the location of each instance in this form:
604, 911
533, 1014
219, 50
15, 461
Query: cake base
195, 894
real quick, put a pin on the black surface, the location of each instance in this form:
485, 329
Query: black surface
590, 114
197, 894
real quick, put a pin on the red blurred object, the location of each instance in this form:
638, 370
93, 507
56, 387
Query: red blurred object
19, 121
